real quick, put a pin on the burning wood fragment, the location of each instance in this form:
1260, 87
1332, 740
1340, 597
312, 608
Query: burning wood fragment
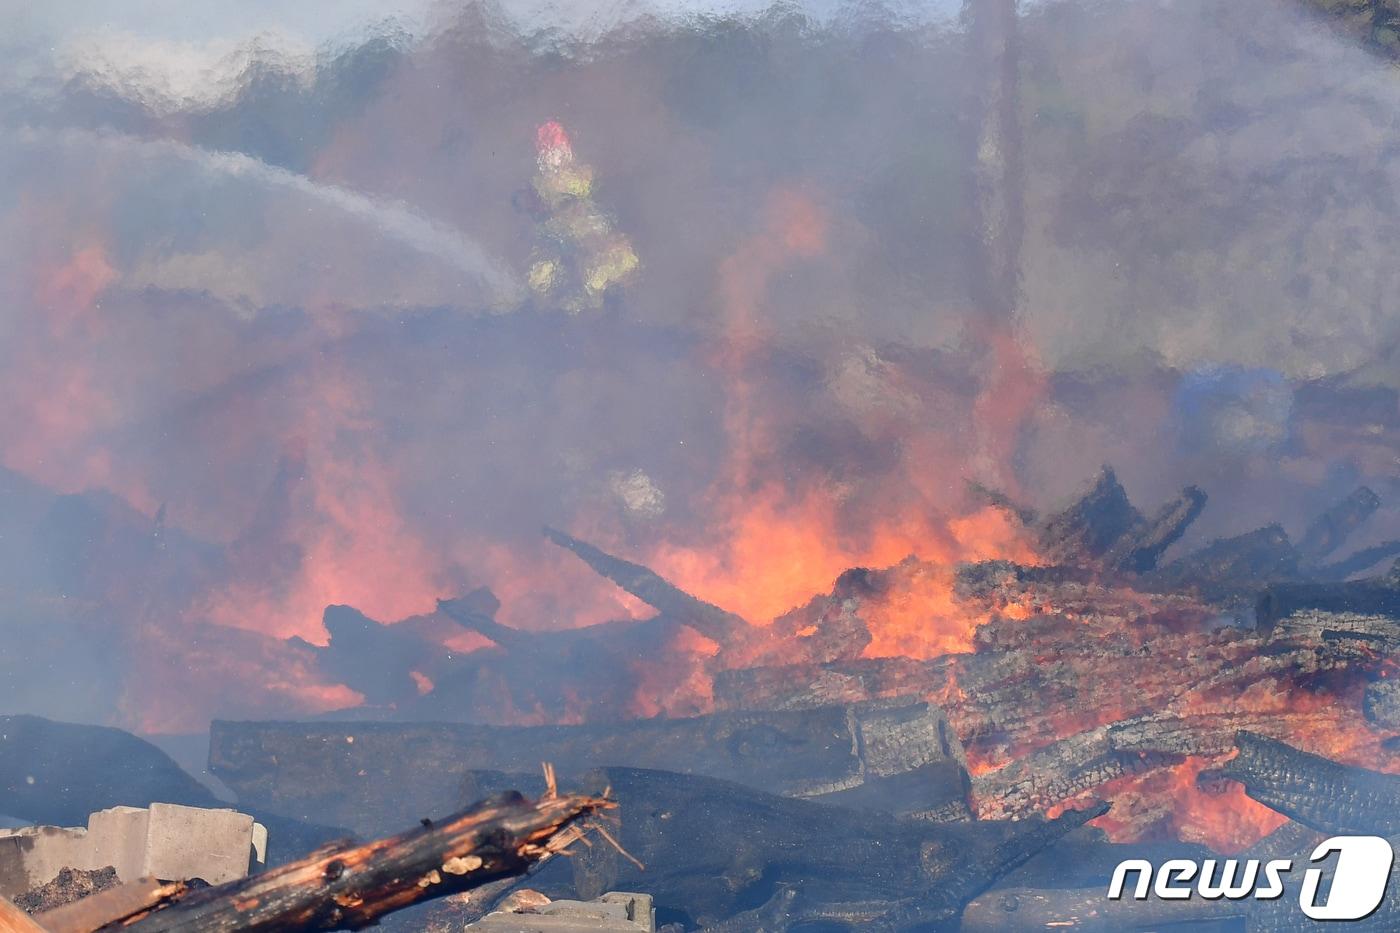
827, 628
350, 887
709, 620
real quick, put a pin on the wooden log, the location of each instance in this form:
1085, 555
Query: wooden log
14, 920
1231, 570
1362, 560
372, 775
1139, 549
665, 597
1088, 529
111, 906
1330, 530
1070, 767
1377, 596
351, 887
1316, 791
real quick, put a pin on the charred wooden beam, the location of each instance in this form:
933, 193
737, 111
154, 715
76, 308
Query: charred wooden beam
470, 616
369, 775
648, 586
1362, 560
1377, 596
1316, 791
997, 499
711, 847
1070, 767
1139, 550
1088, 529
351, 887
1330, 530
1230, 569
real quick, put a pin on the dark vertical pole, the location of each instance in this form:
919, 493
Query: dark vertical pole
997, 171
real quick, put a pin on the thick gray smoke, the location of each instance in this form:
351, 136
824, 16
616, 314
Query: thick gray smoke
269, 341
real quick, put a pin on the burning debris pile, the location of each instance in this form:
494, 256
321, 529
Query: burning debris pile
1213, 703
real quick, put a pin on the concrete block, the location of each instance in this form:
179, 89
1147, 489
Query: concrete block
118, 836
163, 841
192, 842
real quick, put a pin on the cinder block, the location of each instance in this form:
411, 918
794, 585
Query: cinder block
166, 841
118, 838
191, 842
33, 855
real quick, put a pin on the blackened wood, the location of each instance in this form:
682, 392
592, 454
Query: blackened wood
1330, 530
376, 775
648, 586
1378, 595
351, 887
1230, 570
712, 848
1316, 791
1139, 549
1089, 528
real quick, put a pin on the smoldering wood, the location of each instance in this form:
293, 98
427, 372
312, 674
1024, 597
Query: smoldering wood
1316, 791
1361, 560
1331, 529
712, 848
1296, 841
1230, 570
1012, 694
351, 887
1071, 767
367, 775
1382, 703
1139, 550
1378, 596
1088, 528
